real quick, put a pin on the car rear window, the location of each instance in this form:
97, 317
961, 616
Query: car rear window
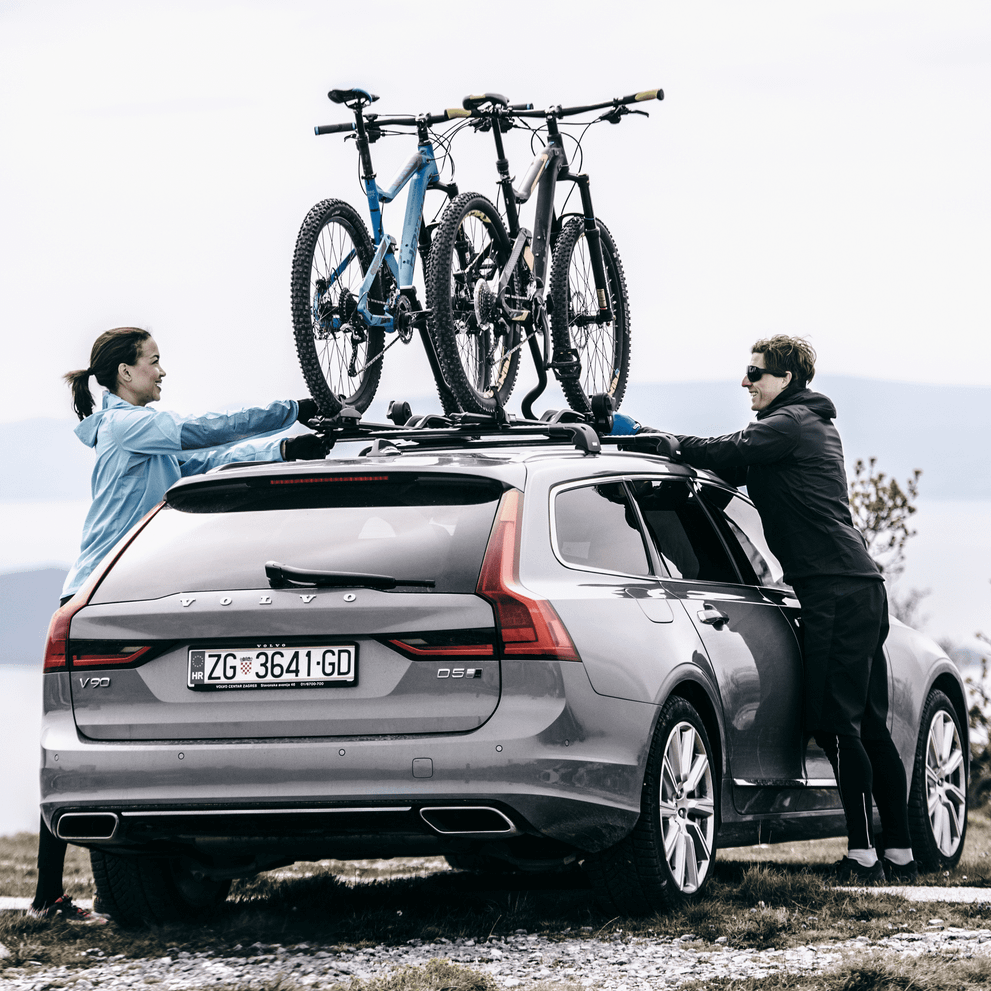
220, 534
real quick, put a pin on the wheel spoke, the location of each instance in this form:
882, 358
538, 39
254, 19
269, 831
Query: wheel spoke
953, 763
680, 856
687, 752
702, 808
703, 850
691, 871
698, 769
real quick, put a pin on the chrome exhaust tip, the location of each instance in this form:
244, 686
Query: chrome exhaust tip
468, 820
86, 826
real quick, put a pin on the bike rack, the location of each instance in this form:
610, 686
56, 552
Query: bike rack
409, 432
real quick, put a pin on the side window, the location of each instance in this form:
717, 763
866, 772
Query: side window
596, 527
681, 531
745, 535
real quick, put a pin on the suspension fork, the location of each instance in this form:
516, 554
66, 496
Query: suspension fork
594, 240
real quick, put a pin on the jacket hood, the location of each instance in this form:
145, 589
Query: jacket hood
87, 430
815, 401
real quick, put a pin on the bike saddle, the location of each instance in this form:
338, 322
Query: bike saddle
475, 102
350, 95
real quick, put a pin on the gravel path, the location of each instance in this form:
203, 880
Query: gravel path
620, 964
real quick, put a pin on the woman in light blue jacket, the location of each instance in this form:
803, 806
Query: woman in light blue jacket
140, 453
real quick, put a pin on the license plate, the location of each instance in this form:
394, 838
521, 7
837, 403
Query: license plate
326, 666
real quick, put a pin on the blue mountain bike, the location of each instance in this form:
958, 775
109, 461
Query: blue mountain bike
351, 290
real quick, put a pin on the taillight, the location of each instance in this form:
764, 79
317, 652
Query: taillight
528, 623
58, 633
58, 628
446, 643
105, 658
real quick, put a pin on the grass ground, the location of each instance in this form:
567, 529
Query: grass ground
761, 896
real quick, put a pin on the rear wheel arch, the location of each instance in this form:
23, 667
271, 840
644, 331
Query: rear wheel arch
697, 695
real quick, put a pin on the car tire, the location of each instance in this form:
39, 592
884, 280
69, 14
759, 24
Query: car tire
937, 802
666, 860
142, 891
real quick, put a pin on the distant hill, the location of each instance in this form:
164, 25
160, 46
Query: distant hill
27, 601
906, 426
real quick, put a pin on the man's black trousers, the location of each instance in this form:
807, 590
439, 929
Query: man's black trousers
845, 624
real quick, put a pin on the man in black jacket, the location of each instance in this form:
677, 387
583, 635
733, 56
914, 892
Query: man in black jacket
791, 461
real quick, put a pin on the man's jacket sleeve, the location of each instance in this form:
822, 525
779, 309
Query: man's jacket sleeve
760, 443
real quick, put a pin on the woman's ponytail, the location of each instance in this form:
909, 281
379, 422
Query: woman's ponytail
82, 398
122, 345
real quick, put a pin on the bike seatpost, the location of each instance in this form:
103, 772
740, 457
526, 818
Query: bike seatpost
505, 182
361, 139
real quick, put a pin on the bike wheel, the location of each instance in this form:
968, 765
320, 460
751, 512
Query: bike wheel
603, 349
477, 356
341, 357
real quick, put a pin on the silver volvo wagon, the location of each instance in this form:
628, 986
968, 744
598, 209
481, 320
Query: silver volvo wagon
523, 648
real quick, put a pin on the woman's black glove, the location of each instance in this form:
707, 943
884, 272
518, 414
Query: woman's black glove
308, 409
305, 447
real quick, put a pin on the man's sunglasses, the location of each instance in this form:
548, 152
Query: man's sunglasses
755, 374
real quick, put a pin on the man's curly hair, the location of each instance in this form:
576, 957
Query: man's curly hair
788, 354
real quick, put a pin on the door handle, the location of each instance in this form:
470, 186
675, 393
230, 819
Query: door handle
712, 616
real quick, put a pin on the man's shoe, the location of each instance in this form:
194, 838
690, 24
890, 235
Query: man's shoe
68, 911
851, 872
901, 873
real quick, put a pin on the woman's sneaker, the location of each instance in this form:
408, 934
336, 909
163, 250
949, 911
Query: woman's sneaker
852, 872
68, 911
901, 873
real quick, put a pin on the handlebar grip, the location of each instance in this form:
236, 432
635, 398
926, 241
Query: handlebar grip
647, 94
474, 101
452, 112
333, 128
521, 106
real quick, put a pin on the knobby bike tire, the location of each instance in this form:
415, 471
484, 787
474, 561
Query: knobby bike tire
473, 357
333, 238
603, 349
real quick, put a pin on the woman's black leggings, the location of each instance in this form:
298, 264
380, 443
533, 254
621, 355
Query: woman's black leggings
845, 624
51, 860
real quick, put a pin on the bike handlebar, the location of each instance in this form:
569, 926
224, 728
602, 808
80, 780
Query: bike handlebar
509, 109
619, 101
375, 121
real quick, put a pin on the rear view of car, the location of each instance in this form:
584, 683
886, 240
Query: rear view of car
291, 663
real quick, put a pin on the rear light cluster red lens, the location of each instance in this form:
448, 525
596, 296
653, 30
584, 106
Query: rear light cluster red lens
58, 629
108, 660
528, 623
420, 649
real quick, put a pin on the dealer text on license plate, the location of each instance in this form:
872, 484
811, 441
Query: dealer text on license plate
272, 667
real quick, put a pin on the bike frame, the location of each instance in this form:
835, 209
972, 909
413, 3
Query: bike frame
419, 172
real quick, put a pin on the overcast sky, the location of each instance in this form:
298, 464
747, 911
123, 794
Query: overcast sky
815, 167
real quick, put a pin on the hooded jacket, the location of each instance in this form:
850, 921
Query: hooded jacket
141, 452
791, 461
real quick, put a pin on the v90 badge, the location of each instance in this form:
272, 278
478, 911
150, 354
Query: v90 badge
94, 682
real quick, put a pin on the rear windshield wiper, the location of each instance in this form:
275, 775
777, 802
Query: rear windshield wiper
282, 576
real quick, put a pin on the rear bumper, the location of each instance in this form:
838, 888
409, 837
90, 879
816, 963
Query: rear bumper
555, 759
